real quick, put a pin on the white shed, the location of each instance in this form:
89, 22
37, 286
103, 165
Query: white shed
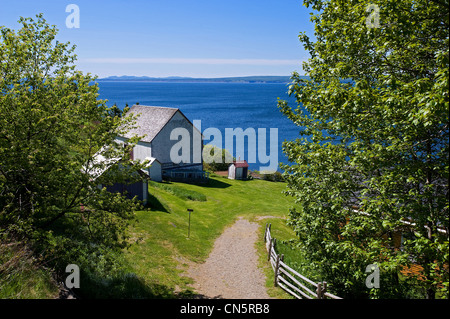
238, 170
154, 169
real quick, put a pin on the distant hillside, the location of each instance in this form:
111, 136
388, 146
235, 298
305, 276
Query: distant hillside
245, 79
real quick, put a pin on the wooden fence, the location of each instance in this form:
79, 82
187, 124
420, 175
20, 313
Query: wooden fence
290, 280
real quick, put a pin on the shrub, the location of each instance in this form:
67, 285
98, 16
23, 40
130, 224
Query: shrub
211, 165
273, 177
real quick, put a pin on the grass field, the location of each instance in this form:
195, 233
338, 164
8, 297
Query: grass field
159, 253
22, 275
161, 250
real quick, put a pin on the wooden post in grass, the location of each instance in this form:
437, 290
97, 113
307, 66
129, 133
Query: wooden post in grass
270, 249
319, 290
266, 231
189, 227
277, 268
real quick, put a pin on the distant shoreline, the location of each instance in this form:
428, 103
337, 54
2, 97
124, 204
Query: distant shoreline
246, 79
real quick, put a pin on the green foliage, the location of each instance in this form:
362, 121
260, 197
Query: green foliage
52, 132
215, 159
22, 275
273, 177
374, 150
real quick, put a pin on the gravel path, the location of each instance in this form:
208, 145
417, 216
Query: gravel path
231, 270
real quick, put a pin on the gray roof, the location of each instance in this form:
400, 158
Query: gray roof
150, 122
100, 164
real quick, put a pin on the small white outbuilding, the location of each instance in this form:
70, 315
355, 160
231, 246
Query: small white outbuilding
238, 170
154, 169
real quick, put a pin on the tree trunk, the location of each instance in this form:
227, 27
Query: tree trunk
431, 294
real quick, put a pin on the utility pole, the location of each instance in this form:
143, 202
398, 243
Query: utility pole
189, 228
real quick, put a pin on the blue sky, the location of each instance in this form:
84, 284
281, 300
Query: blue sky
197, 38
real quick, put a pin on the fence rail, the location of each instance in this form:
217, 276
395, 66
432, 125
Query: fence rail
290, 280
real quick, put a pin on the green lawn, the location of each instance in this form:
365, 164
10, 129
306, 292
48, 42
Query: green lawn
280, 231
161, 250
22, 276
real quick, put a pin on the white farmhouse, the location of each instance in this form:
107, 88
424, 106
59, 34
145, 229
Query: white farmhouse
155, 124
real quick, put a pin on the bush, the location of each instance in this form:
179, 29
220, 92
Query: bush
273, 177
22, 275
208, 154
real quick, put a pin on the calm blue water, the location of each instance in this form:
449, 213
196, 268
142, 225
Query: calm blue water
219, 105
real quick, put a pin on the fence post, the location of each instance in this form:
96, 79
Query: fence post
270, 249
319, 290
277, 266
265, 233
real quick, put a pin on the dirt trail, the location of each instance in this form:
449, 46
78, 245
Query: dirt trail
231, 270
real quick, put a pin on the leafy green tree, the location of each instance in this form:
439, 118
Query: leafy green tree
53, 133
215, 159
373, 159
